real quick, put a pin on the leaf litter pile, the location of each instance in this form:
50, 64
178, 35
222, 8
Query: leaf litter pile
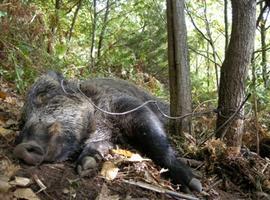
125, 174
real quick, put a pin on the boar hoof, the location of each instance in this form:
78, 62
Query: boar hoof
86, 165
195, 184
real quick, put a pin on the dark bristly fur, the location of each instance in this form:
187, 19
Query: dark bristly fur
58, 124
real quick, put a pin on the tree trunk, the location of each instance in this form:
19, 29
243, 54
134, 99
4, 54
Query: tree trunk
54, 24
179, 74
234, 71
102, 33
255, 105
263, 46
226, 24
93, 36
212, 44
74, 19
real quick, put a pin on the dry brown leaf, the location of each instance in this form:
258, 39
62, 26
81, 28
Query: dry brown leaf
2, 121
190, 138
122, 152
11, 122
25, 193
266, 184
131, 157
137, 158
5, 132
216, 148
3, 95
11, 100
4, 185
109, 171
149, 178
8, 168
20, 181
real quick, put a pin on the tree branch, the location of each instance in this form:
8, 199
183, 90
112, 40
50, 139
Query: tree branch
74, 19
205, 56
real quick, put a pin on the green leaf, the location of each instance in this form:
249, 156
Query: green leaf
3, 13
60, 50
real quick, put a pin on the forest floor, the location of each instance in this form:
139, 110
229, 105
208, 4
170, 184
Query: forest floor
132, 179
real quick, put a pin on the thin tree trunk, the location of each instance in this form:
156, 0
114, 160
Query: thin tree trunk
180, 91
226, 24
208, 67
255, 105
234, 71
105, 21
93, 36
74, 19
54, 25
263, 46
211, 42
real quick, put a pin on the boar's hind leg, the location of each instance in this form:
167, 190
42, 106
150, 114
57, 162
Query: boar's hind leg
92, 155
145, 131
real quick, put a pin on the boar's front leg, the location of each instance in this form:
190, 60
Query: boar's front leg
94, 150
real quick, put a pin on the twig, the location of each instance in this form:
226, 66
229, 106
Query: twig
204, 102
261, 15
40, 184
265, 167
205, 56
33, 18
214, 185
160, 190
195, 26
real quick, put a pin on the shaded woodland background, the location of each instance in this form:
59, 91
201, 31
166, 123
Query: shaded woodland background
128, 40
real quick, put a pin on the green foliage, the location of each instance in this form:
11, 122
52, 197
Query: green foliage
133, 43
22, 44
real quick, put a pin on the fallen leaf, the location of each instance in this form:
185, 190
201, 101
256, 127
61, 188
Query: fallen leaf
25, 193
4, 186
266, 184
8, 168
137, 158
11, 100
149, 177
65, 191
163, 170
132, 157
109, 171
10, 122
122, 152
20, 181
5, 132
3, 95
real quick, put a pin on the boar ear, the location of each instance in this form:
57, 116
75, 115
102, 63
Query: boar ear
55, 128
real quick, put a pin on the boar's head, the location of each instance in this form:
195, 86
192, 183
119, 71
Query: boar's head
55, 123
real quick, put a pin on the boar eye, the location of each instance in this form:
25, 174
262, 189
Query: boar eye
41, 98
55, 129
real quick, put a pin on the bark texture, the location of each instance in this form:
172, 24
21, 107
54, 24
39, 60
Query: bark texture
234, 70
179, 73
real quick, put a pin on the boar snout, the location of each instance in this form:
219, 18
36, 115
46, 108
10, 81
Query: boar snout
30, 152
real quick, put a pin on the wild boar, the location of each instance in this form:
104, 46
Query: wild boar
61, 119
